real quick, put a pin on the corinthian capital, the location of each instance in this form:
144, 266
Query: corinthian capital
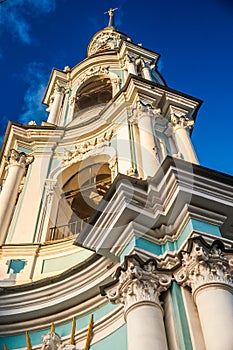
138, 282
204, 265
59, 88
182, 121
19, 158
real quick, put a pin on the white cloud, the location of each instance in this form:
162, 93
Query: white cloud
15, 16
36, 78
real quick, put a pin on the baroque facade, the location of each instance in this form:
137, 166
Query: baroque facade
112, 234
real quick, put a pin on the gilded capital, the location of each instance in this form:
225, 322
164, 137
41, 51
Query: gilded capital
203, 265
138, 282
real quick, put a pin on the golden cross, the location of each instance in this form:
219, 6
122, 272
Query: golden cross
110, 12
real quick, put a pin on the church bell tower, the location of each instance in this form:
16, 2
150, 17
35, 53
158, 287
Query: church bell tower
112, 235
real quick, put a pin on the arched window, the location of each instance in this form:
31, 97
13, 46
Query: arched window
86, 188
80, 197
96, 90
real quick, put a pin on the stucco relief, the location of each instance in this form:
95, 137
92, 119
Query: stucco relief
52, 341
96, 70
107, 40
87, 149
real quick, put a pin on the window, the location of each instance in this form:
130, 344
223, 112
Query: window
96, 90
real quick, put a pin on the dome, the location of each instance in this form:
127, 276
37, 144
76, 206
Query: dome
106, 39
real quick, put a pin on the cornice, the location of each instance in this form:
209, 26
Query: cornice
56, 296
177, 187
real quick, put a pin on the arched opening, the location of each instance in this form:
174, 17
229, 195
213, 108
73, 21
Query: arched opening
96, 90
86, 188
81, 194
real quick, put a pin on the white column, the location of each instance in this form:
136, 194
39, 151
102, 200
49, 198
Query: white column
50, 185
183, 142
147, 141
72, 100
16, 168
130, 65
138, 288
215, 308
123, 148
146, 72
56, 105
145, 327
208, 271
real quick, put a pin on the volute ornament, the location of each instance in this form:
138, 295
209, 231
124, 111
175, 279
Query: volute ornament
182, 121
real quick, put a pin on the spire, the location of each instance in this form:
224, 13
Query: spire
89, 333
111, 16
72, 340
28, 341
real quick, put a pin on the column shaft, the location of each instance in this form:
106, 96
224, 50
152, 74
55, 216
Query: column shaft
56, 105
8, 197
146, 73
149, 161
184, 144
215, 308
208, 270
146, 328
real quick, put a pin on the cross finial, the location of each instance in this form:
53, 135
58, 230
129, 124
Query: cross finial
111, 16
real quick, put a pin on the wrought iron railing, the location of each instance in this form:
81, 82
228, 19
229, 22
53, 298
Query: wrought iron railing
65, 231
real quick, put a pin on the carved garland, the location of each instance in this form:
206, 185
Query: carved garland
86, 149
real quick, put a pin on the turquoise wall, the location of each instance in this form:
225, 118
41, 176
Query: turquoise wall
116, 341
19, 340
159, 249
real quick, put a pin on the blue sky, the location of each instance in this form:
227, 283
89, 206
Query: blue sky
194, 38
